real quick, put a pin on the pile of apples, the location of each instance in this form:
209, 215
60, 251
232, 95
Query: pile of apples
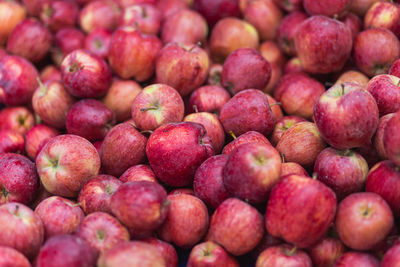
235, 132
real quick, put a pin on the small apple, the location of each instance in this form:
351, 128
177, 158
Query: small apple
248, 137
353, 76
354, 23
146, 17
50, 72
330, 8
214, 10
383, 15
11, 142
326, 252
99, 13
37, 137
210, 254
282, 126
166, 249
292, 168
391, 257
59, 14
66, 40
209, 98
283, 255
98, 42
379, 134
386, 91
11, 13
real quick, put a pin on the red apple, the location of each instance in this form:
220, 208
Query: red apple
127, 3
66, 40
347, 116
146, 17
59, 216
169, 7
271, 52
36, 138
379, 134
122, 148
293, 65
391, 139
156, 105
300, 210
313, 44
330, 8
59, 14
392, 257
13, 258
11, 13
287, 31
96, 194
367, 59
34, 6
139, 172
282, 126
383, 15
357, 259
21, 229
326, 252
292, 168
50, 72
363, 220
283, 255
18, 119
354, 23
209, 98
210, 254
98, 42
214, 10
386, 91
275, 107
344, 171
65, 163
167, 251
99, 13
360, 7
176, 150
11, 142
395, 68
353, 76
248, 137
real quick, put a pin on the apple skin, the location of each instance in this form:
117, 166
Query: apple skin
146, 17
344, 171
140, 205
11, 13
283, 255
210, 254
59, 14
21, 229
11, 257
18, 119
353, 76
282, 125
347, 116
18, 179
184, 26
33, 7
248, 137
101, 231
287, 31
95, 195
391, 139
208, 181
360, 7
384, 179
367, 60
316, 53
251, 171
100, 13
379, 134
182, 66
298, 93
98, 42
66, 40
139, 172
65, 250
187, 221
17, 80
215, 10
292, 168
248, 110
122, 148
90, 119
326, 252
391, 257
363, 220
329, 8
383, 15
293, 65
37, 137
85, 75
50, 72
133, 54
353, 258
245, 68
208, 98
167, 251
292, 212
275, 107
120, 97
395, 68
246, 229
354, 23
169, 7
51, 101
176, 150
386, 91
301, 144
65, 163
272, 53
230, 34
156, 105
11, 142
59, 216
213, 127
134, 253
30, 39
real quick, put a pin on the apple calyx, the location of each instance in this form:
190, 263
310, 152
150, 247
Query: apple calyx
101, 234
366, 211
206, 253
98, 43
75, 67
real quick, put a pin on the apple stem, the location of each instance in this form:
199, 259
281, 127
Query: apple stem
292, 251
195, 109
275, 104
335, 16
149, 108
314, 176
283, 157
342, 88
232, 134
16, 210
41, 85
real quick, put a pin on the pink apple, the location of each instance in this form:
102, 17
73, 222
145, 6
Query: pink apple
11, 257
354, 23
283, 255
66, 40
353, 76
330, 8
383, 15
275, 107
11, 142
209, 98
326, 252
357, 259
293, 65
391, 140
292, 168
395, 68
386, 91
360, 7
146, 17
59, 14
98, 42
392, 257
167, 251
11, 13
37, 137
271, 52
50, 72
282, 126
248, 137
379, 134
99, 13
290, 5
18, 119
210, 254
287, 31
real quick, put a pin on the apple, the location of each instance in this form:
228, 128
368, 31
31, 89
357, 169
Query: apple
50, 72
276, 74
353, 76
363, 220
167, 251
369, 153
213, 127
330, 8
230, 34
282, 125
95, 195
215, 10
272, 53
146, 17
176, 150
292, 168
139, 172
98, 42
51, 102
11, 257
366, 59
134, 253
99, 13
301, 144
187, 221
379, 134
59, 14
245, 68
386, 91
128, 3
395, 68
251, 171
169, 7
11, 13
383, 15
392, 256
248, 137
133, 54
287, 31
344, 171
391, 140
347, 116
18, 119
360, 7
317, 54
354, 23
357, 259
266, 242
298, 93
156, 105
246, 227
11, 142
66, 40
102, 231
37, 137
85, 75
300, 210
65, 163
214, 74
65, 250
17, 80
293, 65
210, 254
34, 6
41, 195
59, 216
290, 5
120, 97
326, 252
182, 66
208, 98
21, 229
122, 148
283, 255
18, 179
